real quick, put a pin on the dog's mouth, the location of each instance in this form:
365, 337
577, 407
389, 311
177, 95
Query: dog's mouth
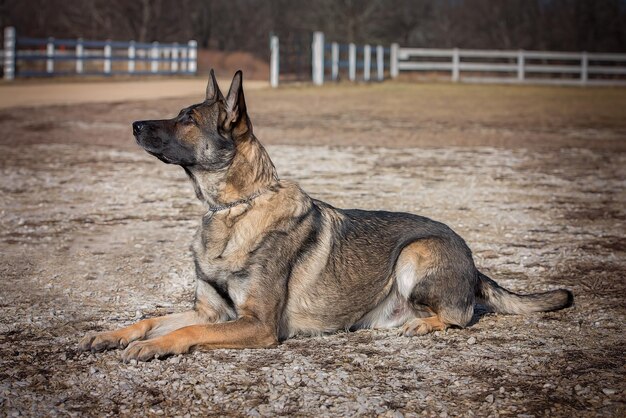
160, 156
167, 156
158, 153
150, 144
141, 144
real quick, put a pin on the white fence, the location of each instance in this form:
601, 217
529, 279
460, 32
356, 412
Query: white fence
460, 65
498, 66
32, 57
328, 60
331, 57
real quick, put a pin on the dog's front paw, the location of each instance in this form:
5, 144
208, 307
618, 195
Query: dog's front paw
102, 341
149, 350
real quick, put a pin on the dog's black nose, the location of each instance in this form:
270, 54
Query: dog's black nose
137, 127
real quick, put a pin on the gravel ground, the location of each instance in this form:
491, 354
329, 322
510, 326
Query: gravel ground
95, 238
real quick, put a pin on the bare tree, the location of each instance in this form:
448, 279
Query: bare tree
592, 25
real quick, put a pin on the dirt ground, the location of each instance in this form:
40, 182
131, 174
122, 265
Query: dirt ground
94, 235
22, 93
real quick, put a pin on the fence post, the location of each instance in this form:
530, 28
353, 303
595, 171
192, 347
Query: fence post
584, 68
183, 59
131, 57
107, 57
174, 58
9, 53
154, 56
367, 62
455, 64
334, 53
520, 66
393, 57
352, 62
165, 55
318, 58
380, 63
193, 57
79, 56
274, 60
50, 56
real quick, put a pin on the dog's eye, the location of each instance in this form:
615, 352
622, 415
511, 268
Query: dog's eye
186, 118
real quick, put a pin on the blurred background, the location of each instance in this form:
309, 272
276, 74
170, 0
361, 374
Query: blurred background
235, 33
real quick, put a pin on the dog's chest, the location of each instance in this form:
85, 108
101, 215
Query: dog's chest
221, 255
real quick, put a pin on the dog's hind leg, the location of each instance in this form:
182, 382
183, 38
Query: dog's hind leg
437, 278
422, 326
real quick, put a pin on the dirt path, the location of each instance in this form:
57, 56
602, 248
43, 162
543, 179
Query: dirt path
42, 93
94, 235
389, 114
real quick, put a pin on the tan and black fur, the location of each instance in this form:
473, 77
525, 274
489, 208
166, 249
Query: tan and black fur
272, 262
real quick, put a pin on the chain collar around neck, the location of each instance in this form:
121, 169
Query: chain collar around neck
215, 209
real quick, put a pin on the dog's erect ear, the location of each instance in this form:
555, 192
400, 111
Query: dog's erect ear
237, 116
212, 89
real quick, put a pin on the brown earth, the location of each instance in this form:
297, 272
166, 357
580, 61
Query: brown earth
224, 62
94, 235
24, 93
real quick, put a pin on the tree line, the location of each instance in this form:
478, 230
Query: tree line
228, 25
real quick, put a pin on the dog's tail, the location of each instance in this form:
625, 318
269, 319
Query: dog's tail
504, 301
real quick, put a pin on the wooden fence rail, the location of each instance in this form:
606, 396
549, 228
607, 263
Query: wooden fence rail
34, 57
330, 60
537, 67
332, 57
461, 65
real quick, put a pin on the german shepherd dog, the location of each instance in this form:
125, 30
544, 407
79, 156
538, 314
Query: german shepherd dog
273, 262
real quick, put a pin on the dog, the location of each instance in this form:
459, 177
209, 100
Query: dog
273, 262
